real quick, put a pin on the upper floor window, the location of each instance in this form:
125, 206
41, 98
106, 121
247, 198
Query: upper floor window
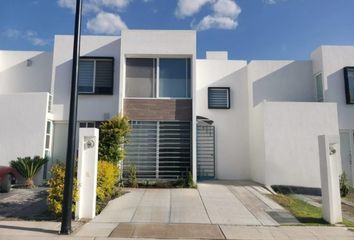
96, 75
349, 84
319, 87
158, 77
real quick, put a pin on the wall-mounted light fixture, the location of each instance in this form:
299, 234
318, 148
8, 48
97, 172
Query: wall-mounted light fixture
29, 62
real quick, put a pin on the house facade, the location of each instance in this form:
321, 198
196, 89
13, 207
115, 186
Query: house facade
213, 117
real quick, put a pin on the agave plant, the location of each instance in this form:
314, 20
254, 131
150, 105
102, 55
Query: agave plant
28, 168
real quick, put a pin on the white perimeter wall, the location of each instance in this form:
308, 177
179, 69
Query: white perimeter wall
90, 107
291, 133
231, 125
23, 125
330, 60
277, 81
16, 76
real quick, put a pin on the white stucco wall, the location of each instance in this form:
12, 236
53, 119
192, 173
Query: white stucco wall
90, 107
291, 133
276, 81
23, 125
330, 60
16, 76
231, 125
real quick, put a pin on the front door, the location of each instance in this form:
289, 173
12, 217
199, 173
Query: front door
346, 142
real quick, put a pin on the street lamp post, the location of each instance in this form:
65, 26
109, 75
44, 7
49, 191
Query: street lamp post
71, 148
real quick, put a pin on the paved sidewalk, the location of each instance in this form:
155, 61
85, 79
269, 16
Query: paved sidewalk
216, 210
17, 230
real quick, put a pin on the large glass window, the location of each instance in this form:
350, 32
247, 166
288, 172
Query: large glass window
349, 84
140, 77
174, 78
158, 77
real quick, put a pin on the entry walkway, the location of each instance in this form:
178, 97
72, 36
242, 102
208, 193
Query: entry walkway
211, 203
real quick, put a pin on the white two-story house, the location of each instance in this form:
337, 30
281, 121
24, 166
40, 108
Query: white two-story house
213, 117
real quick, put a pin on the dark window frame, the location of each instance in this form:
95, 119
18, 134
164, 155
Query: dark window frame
346, 84
228, 97
110, 92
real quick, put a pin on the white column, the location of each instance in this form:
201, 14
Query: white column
87, 173
329, 152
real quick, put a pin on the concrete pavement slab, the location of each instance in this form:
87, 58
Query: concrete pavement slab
199, 231
246, 232
273, 205
223, 207
121, 209
187, 207
153, 207
257, 207
95, 229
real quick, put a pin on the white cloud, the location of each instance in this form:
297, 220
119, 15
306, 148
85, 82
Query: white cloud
186, 8
223, 13
32, 36
271, 2
95, 5
216, 22
226, 8
106, 23
11, 33
28, 35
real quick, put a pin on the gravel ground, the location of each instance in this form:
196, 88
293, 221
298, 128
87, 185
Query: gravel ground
26, 204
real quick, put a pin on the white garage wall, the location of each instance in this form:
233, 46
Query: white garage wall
231, 125
291, 133
16, 76
23, 125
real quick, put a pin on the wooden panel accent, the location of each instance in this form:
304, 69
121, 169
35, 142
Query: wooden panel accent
158, 109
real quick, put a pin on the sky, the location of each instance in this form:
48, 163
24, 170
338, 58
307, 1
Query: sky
247, 29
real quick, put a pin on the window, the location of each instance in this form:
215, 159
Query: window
319, 87
90, 124
158, 77
349, 84
141, 77
219, 98
96, 75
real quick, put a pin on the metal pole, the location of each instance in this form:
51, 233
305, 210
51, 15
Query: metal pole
71, 148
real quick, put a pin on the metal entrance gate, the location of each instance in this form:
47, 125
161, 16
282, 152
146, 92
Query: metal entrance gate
159, 149
205, 151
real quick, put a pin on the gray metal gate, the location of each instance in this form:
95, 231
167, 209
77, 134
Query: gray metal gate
159, 149
205, 151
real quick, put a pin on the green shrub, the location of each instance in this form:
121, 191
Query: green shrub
344, 185
56, 190
113, 136
132, 180
28, 168
189, 183
107, 177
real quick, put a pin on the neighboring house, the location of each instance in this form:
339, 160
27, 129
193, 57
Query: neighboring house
213, 117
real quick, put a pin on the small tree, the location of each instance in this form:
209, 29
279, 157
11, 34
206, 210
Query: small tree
28, 168
113, 135
344, 185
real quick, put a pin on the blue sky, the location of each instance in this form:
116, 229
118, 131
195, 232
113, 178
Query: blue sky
247, 29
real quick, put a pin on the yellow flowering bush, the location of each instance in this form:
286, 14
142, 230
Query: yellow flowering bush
107, 177
56, 190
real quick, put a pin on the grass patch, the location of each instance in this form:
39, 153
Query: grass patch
304, 212
350, 196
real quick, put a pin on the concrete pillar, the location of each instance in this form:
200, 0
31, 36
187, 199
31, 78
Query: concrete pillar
87, 173
329, 151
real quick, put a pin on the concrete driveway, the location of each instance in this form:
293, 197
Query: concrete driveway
236, 203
